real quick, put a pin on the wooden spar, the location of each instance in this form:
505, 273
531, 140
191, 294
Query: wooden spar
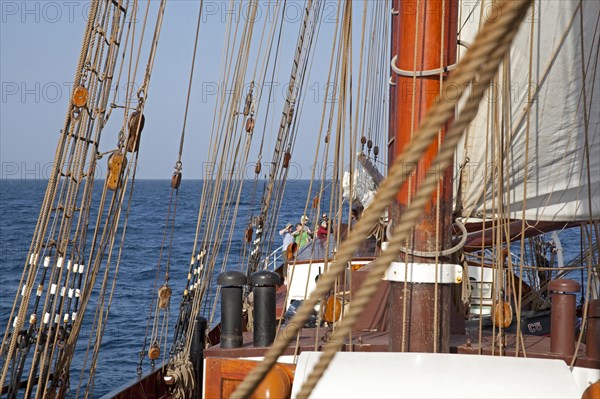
483, 234
418, 326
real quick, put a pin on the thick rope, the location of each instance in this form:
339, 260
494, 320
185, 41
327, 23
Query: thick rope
45, 209
182, 371
491, 44
526, 172
413, 211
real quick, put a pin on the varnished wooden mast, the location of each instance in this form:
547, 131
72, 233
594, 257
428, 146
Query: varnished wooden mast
417, 30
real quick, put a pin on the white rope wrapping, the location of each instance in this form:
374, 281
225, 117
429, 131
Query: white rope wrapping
419, 74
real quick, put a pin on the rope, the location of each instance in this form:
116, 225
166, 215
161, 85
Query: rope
107, 241
526, 172
233, 150
70, 185
411, 215
486, 171
181, 371
187, 100
437, 311
411, 179
589, 185
102, 324
49, 196
491, 44
412, 212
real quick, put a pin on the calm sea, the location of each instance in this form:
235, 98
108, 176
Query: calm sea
20, 202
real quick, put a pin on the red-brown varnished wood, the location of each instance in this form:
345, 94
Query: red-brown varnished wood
224, 375
425, 40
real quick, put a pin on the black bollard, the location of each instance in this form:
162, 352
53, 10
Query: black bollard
231, 308
264, 283
197, 351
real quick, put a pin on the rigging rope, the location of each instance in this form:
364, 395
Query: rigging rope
526, 173
32, 259
491, 44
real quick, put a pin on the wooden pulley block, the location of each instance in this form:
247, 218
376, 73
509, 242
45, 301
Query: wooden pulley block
116, 166
250, 124
248, 234
502, 313
176, 180
135, 126
257, 168
286, 159
154, 352
248, 103
164, 296
80, 96
333, 309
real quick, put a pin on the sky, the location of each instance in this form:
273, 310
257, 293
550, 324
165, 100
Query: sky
40, 43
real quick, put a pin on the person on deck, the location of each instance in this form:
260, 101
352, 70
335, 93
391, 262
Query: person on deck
305, 221
288, 238
323, 229
300, 236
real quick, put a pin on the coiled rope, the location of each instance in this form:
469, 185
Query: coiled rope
180, 372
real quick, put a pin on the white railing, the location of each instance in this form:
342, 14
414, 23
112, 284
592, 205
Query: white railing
270, 261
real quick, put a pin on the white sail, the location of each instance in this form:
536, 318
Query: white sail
362, 189
555, 177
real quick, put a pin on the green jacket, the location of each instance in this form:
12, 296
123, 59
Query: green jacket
301, 239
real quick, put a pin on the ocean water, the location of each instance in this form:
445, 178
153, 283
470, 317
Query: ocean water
20, 201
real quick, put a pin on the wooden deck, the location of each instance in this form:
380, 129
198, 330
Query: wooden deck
377, 341
535, 346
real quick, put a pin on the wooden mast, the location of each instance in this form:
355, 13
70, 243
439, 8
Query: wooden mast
422, 324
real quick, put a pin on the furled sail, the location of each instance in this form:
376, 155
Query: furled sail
362, 188
542, 159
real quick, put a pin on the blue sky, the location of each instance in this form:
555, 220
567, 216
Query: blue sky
40, 43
